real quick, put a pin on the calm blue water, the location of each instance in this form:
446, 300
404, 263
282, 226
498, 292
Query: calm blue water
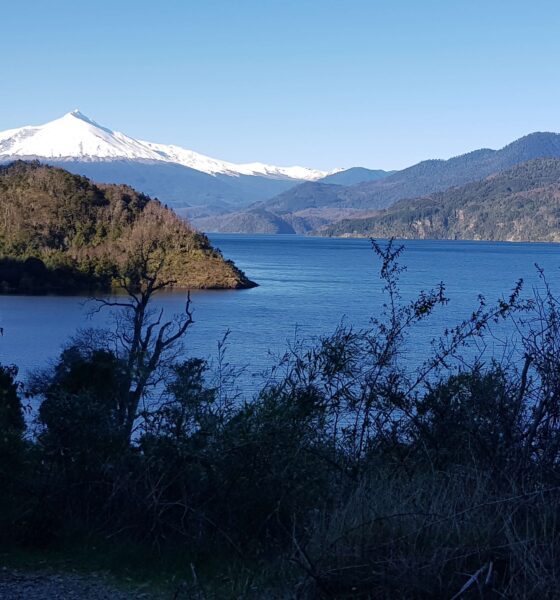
305, 284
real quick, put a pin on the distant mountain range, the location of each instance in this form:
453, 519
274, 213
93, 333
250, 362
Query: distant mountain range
217, 195
177, 176
519, 204
312, 205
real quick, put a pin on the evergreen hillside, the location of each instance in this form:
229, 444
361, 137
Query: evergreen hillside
520, 204
61, 232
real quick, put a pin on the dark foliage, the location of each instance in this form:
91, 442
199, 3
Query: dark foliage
12, 423
81, 409
347, 474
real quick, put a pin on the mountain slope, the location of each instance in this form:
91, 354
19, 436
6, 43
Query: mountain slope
432, 175
256, 221
77, 136
73, 135
61, 232
436, 175
176, 175
423, 178
299, 212
519, 204
259, 220
305, 196
176, 185
355, 175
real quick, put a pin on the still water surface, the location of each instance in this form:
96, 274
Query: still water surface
305, 284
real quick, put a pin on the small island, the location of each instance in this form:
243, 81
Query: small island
62, 233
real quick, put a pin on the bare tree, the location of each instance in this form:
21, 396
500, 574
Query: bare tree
145, 340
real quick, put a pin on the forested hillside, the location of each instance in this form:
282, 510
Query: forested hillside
519, 204
61, 232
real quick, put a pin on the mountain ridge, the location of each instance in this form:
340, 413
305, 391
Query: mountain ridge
177, 176
437, 174
426, 177
64, 138
518, 204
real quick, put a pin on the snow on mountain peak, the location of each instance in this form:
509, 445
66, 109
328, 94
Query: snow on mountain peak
77, 114
75, 136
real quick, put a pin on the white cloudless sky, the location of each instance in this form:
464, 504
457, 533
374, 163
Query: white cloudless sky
318, 83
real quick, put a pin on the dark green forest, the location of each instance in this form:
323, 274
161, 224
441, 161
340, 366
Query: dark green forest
521, 204
346, 475
62, 233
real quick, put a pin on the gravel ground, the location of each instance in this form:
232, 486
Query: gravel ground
46, 585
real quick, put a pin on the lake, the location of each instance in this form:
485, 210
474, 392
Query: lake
307, 285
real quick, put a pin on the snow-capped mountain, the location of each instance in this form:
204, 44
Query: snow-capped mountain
76, 137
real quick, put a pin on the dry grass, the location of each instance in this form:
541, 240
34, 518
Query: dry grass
435, 536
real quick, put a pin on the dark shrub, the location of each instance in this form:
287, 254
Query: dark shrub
80, 408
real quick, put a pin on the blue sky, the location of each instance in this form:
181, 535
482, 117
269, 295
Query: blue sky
318, 83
